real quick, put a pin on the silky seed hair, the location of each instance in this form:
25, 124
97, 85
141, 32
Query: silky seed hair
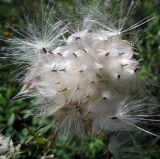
87, 80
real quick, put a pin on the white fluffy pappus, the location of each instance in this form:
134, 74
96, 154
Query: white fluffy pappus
120, 147
127, 115
85, 80
35, 37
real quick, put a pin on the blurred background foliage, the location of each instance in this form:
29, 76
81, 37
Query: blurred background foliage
17, 118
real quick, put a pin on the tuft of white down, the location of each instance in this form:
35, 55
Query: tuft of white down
85, 76
85, 82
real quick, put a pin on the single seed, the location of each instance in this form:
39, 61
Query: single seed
81, 71
84, 50
136, 69
119, 76
75, 55
107, 54
123, 65
76, 89
77, 38
113, 117
54, 70
104, 98
59, 54
50, 52
44, 50
62, 69
121, 53
87, 96
92, 82
63, 90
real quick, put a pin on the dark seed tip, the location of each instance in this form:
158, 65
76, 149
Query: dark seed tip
54, 70
85, 50
63, 90
81, 71
50, 52
62, 69
121, 53
59, 54
113, 117
119, 76
123, 65
104, 98
107, 54
136, 69
44, 50
75, 55
77, 37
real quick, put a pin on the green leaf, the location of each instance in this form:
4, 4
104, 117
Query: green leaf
9, 92
2, 99
11, 119
41, 140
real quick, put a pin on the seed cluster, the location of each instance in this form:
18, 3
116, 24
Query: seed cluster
83, 77
87, 80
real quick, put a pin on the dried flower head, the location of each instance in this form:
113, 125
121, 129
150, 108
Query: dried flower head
6, 145
7, 149
87, 80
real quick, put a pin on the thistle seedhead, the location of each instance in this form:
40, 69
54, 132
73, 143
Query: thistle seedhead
85, 80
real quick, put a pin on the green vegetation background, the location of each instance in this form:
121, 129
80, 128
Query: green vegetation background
17, 118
